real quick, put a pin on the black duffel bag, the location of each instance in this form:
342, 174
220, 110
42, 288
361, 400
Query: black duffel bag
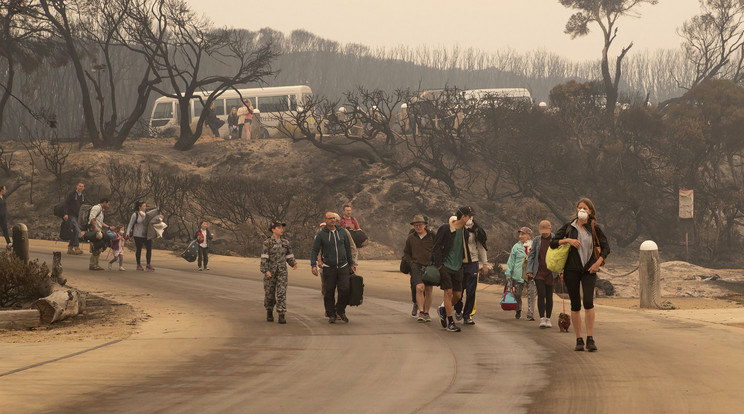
405, 267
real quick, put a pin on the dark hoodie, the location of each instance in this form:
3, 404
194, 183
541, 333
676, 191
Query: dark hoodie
335, 247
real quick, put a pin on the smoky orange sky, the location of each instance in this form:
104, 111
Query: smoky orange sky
489, 25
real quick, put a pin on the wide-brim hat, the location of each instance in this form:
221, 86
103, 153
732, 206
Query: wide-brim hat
525, 230
419, 218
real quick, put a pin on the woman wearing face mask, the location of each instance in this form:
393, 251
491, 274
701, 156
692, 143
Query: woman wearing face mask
582, 266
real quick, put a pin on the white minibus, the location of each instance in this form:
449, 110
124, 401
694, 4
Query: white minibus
270, 102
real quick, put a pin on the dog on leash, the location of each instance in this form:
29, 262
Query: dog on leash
564, 321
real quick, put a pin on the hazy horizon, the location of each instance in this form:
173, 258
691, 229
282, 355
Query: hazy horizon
523, 26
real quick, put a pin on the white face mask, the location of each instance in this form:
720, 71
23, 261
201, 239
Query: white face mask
527, 244
582, 215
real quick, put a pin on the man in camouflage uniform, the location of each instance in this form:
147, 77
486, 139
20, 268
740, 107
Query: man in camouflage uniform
274, 258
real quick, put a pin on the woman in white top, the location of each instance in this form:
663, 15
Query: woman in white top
138, 228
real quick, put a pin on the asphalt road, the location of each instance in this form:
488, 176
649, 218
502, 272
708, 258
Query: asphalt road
208, 349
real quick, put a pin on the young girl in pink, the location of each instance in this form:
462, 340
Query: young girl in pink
117, 247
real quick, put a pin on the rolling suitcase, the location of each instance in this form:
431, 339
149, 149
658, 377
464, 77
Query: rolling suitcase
356, 290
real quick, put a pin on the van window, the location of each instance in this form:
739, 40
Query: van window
273, 103
197, 108
163, 110
232, 103
219, 106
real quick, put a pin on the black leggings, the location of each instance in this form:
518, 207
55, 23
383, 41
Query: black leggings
544, 298
587, 280
138, 242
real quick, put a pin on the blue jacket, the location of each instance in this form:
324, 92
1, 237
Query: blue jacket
532, 263
335, 246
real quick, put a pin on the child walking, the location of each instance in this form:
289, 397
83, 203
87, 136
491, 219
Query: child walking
274, 258
204, 238
117, 248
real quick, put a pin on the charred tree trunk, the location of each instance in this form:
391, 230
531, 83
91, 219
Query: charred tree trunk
62, 303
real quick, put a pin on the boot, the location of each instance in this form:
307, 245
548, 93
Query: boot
70, 250
269, 315
281, 319
77, 250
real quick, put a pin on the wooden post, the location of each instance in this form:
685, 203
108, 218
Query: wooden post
687, 247
20, 241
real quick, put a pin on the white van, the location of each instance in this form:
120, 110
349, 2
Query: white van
512, 96
270, 102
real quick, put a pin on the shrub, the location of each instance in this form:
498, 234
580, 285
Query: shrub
21, 282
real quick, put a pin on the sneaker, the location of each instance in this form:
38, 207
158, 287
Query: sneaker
109, 266
530, 318
468, 321
150, 268
206, 268
198, 269
547, 323
458, 316
77, 250
140, 268
443, 316
343, 317
269, 315
420, 317
95, 268
518, 314
121, 268
332, 319
579, 344
414, 312
542, 323
453, 328
590, 346
427, 318
281, 319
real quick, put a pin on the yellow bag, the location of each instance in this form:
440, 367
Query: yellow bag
555, 259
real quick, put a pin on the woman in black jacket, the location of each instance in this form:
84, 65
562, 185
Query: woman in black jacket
589, 250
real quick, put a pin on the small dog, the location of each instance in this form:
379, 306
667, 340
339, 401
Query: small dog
564, 321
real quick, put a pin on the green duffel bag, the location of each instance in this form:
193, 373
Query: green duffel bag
431, 276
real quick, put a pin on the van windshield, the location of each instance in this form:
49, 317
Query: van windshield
163, 110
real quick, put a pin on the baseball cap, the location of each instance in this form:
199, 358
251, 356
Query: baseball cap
276, 223
525, 230
466, 211
420, 218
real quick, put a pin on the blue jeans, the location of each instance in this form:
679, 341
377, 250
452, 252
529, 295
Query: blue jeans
75, 241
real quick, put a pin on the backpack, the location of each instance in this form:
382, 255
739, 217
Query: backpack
84, 216
59, 210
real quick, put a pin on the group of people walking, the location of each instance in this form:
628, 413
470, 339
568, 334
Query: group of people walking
333, 257
102, 235
459, 251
